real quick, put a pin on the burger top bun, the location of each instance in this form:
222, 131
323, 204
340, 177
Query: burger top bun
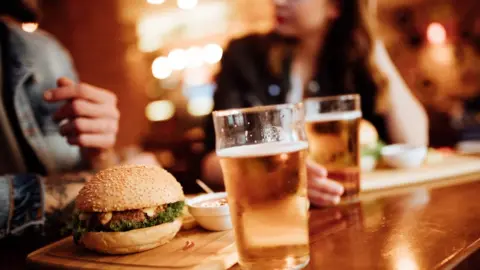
368, 134
129, 187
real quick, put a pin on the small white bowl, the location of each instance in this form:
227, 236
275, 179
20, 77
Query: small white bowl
211, 218
368, 163
404, 156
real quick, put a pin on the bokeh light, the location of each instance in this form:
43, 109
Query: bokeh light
200, 106
161, 68
212, 53
442, 55
436, 33
194, 57
160, 110
149, 38
177, 59
29, 27
187, 4
155, 2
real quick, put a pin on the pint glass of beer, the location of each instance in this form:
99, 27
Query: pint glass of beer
332, 125
262, 152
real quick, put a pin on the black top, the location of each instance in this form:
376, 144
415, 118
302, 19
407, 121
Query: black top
245, 80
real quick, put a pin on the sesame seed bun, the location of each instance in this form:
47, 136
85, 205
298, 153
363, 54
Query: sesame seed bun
129, 187
131, 241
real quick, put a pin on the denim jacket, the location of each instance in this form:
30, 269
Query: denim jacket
35, 61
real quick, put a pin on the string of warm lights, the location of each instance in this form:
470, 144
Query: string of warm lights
183, 4
155, 2
179, 59
187, 4
162, 110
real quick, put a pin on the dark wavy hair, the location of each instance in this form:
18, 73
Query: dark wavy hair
21, 10
348, 49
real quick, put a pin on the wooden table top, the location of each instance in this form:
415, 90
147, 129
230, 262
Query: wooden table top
428, 226
433, 226
423, 227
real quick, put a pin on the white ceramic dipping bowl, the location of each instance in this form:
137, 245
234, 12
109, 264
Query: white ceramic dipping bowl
404, 156
214, 218
368, 163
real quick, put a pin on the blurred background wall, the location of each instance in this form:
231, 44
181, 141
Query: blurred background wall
159, 57
114, 43
435, 45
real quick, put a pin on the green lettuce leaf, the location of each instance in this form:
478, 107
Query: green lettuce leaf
172, 211
374, 151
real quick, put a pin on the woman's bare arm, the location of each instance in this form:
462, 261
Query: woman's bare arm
212, 172
406, 119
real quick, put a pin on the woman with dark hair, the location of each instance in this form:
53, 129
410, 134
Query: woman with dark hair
318, 48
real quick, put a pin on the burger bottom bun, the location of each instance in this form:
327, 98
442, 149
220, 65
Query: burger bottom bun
131, 241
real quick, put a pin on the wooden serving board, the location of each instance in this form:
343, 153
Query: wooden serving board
211, 251
449, 166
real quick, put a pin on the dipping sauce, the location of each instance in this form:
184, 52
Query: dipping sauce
212, 203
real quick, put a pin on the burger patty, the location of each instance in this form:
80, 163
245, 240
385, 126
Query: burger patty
120, 221
132, 215
110, 219
138, 215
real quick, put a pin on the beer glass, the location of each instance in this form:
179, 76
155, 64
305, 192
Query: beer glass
263, 153
332, 125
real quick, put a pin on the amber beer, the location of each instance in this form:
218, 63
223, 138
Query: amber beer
334, 143
266, 185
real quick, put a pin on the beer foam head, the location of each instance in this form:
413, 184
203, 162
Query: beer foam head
333, 116
263, 149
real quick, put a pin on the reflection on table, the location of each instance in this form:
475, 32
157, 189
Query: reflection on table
424, 227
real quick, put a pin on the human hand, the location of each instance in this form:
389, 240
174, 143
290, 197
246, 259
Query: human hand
91, 116
143, 158
321, 190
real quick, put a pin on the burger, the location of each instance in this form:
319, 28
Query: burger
370, 146
128, 209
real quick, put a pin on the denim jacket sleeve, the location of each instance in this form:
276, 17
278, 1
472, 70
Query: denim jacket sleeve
21, 203
38, 62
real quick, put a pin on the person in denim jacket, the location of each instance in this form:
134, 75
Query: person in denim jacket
50, 123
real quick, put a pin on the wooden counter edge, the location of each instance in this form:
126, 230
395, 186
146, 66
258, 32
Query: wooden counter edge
33, 259
455, 259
